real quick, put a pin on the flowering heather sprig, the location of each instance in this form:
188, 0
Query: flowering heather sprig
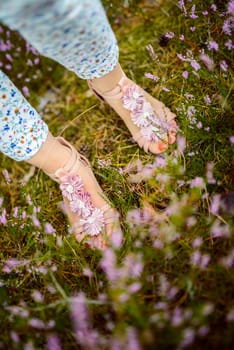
152, 76
213, 45
53, 342
199, 260
84, 333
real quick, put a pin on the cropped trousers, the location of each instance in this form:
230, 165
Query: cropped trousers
75, 33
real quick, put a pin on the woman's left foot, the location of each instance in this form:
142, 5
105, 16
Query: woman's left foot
150, 122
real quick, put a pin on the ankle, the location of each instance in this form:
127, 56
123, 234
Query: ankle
108, 81
51, 156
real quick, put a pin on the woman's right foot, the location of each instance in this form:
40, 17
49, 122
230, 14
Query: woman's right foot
91, 217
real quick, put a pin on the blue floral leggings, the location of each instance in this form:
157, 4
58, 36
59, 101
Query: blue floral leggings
75, 33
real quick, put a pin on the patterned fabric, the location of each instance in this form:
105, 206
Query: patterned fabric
75, 33
22, 130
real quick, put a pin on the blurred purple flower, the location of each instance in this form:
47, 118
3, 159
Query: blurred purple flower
197, 182
203, 331
132, 339
48, 228
230, 8
36, 323
37, 296
151, 76
108, 264
215, 204
169, 35
181, 143
53, 342
3, 217
26, 91
231, 138
192, 14
213, 7
209, 173
85, 335
218, 230
188, 336
207, 99
208, 62
213, 45
229, 44
223, 65
197, 242
185, 74
194, 64
228, 25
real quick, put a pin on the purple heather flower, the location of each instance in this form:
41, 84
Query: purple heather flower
134, 287
26, 91
48, 228
132, 340
177, 317
15, 337
213, 7
85, 336
181, 143
218, 230
205, 13
213, 45
182, 6
36, 323
191, 111
203, 331
152, 76
94, 223
181, 37
194, 64
108, 264
37, 296
207, 99
229, 44
228, 25
223, 65
188, 337
132, 97
3, 218
185, 74
71, 186
116, 238
170, 35
231, 138
230, 8
53, 342
215, 204
192, 14
208, 62
197, 242
151, 52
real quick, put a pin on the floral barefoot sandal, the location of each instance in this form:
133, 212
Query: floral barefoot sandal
154, 125
92, 218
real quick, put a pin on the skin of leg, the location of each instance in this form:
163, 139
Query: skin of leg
51, 156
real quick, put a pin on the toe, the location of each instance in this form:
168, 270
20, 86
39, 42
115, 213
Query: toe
158, 147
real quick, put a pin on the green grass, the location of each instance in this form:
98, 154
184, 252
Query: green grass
175, 301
